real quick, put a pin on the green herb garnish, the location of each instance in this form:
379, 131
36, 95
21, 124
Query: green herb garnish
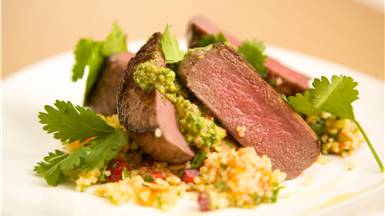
212, 39
170, 47
253, 52
198, 159
336, 97
91, 54
57, 162
70, 123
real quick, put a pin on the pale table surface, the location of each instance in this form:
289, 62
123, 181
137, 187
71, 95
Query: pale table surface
347, 32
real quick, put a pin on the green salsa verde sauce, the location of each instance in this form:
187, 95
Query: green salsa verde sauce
198, 130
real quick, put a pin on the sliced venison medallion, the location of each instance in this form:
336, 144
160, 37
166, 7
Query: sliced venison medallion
150, 117
102, 98
284, 79
249, 108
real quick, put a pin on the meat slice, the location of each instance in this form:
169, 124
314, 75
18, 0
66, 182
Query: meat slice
249, 108
150, 117
284, 79
102, 98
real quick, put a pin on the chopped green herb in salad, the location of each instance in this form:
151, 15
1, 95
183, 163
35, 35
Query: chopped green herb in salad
198, 159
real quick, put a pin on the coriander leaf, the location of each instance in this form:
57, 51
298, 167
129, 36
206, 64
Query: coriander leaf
198, 159
104, 148
115, 42
253, 52
95, 64
170, 47
91, 54
302, 104
49, 161
82, 54
53, 165
336, 96
212, 39
70, 123
94, 155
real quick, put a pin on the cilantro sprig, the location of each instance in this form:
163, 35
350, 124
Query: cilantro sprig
91, 54
334, 96
54, 165
71, 123
212, 39
254, 53
170, 47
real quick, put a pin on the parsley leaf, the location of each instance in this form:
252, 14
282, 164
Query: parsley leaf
212, 39
336, 97
91, 54
69, 123
253, 52
170, 47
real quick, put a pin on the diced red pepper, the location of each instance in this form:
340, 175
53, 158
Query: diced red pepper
189, 175
116, 167
203, 201
157, 174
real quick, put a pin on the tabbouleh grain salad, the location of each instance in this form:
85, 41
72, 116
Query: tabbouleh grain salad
152, 131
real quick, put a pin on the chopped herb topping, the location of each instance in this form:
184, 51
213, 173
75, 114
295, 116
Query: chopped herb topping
197, 129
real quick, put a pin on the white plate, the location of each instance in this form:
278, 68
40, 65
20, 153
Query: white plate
321, 189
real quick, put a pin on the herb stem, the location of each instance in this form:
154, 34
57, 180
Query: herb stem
378, 160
